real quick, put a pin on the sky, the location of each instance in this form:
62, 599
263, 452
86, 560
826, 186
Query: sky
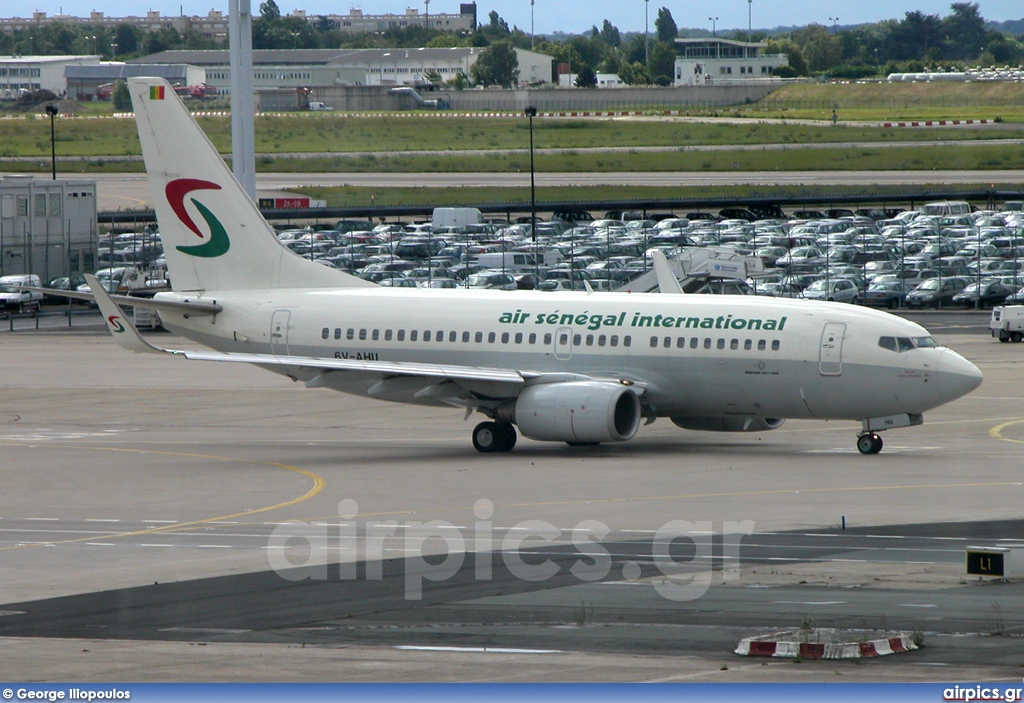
571, 16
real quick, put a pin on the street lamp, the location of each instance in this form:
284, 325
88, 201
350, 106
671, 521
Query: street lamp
750, 26
835, 24
647, 55
426, 4
52, 111
531, 25
531, 112
713, 31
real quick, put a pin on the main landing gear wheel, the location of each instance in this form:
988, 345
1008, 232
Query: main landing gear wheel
490, 437
869, 443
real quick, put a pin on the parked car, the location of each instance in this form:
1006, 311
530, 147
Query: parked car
841, 290
883, 294
935, 293
986, 295
14, 299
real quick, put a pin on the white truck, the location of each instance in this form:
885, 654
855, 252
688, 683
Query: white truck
14, 299
1007, 323
319, 107
455, 217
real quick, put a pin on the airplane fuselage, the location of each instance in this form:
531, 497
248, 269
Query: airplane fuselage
691, 355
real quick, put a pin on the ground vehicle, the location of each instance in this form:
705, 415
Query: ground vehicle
841, 290
455, 217
935, 293
984, 295
13, 298
1007, 323
319, 107
514, 261
883, 294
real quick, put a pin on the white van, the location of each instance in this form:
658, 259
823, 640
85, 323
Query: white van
947, 207
514, 261
13, 298
456, 216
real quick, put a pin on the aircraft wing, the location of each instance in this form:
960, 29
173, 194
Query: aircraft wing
127, 336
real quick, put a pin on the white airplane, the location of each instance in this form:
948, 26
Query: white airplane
569, 367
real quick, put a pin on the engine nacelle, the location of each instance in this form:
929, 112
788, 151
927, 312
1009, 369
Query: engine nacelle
729, 424
579, 411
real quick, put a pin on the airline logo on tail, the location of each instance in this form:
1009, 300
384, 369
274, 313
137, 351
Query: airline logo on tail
218, 242
115, 324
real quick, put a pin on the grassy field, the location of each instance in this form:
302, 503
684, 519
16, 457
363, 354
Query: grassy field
518, 197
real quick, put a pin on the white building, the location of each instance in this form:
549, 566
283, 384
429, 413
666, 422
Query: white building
356, 21
38, 73
320, 68
47, 227
706, 61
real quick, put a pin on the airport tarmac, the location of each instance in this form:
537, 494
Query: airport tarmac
146, 501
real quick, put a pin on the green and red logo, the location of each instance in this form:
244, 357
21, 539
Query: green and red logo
218, 243
115, 323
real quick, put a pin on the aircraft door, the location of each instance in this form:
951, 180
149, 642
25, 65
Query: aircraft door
830, 353
563, 343
279, 332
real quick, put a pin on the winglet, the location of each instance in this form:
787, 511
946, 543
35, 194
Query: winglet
121, 329
667, 281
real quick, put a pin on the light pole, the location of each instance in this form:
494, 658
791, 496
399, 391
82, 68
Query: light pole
426, 4
52, 111
835, 24
713, 20
531, 25
750, 26
531, 112
647, 55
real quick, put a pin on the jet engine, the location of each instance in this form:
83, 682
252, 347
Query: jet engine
729, 424
579, 411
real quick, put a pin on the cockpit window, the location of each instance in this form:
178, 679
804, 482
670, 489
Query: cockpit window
902, 344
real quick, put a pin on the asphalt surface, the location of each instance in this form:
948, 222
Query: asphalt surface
171, 504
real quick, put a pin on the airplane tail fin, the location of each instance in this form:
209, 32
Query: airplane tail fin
214, 237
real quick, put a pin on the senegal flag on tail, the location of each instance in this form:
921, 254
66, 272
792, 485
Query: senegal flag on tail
156, 92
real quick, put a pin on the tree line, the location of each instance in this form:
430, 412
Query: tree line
911, 44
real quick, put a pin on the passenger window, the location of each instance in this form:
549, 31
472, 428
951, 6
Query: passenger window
707, 342
479, 337
734, 344
504, 337
775, 345
904, 343
440, 336
627, 341
667, 342
401, 335
413, 335
721, 343
533, 338
547, 338
426, 335
350, 334
337, 333
387, 335
761, 345
681, 342
465, 337
601, 340
747, 344
887, 343
614, 341
519, 338
577, 339
362, 334
694, 342
654, 342
491, 337
326, 332
376, 335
